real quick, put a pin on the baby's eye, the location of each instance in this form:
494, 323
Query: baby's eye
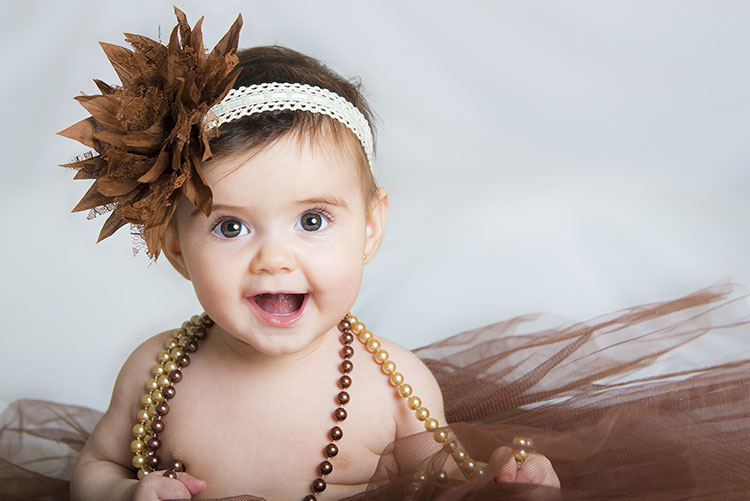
312, 221
230, 228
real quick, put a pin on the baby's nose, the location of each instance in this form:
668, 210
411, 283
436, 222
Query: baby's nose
273, 256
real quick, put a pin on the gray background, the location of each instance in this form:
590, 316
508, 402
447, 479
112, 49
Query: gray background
572, 157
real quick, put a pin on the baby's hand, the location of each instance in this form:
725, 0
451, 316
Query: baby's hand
155, 487
535, 469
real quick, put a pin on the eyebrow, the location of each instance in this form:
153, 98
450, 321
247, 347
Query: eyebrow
321, 200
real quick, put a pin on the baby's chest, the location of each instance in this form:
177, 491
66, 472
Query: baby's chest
274, 447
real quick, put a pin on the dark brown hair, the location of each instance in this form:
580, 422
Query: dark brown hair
279, 64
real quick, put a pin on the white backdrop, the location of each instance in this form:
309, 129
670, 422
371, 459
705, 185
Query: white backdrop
573, 157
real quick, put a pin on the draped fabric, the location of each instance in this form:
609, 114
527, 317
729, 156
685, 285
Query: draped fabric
615, 403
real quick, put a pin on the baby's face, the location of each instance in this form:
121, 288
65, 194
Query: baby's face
279, 261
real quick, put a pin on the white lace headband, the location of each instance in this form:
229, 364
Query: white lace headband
258, 98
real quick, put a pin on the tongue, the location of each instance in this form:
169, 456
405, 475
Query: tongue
279, 304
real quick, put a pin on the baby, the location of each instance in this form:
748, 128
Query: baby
268, 205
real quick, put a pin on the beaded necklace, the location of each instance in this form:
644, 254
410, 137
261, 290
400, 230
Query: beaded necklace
175, 356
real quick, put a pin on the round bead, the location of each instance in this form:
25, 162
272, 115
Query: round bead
343, 398
373, 345
340, 414
414, 403
347, 338
137, 446
422, 413
351, 318
176, 465
163, 381
440, 436
521, 454
152, 461
138, 461
142, 473
206, 321
319, 485
309, 497
405, 390
364, 336
151, 385
431, 424
191, 346
152, 410
170, 474
396, 378
176, 376
345, 382
169, 392
414, 488
162, 408
171, 366
389, 366
420, 476
186, 325
468, 466
157, 396
163, 356
157, 425
347, 352
143, 415
146, 400
442, 476
345, 325
157, 370
331, 450
176, 353
381, 356
346, 366
357, 327
153, 443
460, 455
451, 445
480, 472
336, 433
139, 430
325, 468
522, 442
170, 344
195, 319
200, 332
183, 360
184, 340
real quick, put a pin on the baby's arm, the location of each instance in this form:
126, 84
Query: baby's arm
103, 470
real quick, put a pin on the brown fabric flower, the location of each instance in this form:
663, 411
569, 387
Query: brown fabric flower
149, 132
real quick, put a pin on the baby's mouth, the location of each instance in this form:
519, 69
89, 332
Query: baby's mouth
281, 303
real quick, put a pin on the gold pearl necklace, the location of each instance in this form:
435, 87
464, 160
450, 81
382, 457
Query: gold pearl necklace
174, 357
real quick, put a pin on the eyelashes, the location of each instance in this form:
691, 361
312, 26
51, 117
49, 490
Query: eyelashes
312, 220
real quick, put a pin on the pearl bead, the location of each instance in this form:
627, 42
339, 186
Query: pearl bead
183, 360
152, 461
157, 425
442, 476
422, 413
347, 352
480, 472
191, 346
177, 465
343, 398
336, 433
345, 382
319, 485
346, 366
184, 340
151, 385
176, 352
431, 424
143, 415
163, 356
468, 466
440, 436
450, 445
521, 454
331, 450
522, 442
139, 430
345, 325
405, 390
414, 403
137, 445
373, 345
169, 392
357, 327
351, 318
389, 366
460, 455
142, 473
396, 379
170, 366
340, 414
206, 321
157, 370
309, 497
157, 396
162, 408
420, 476
138, 461
186, 325
152, 410
170, 344
147, 400
176, 376
170, 474
415, 488
325, 467
381, 356
153, 443
163, 381
195, 319
364, 336
347, 338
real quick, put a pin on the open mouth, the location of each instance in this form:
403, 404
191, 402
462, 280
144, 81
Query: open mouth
279, 309
281, 303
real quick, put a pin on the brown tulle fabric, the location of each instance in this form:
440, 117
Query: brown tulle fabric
609, 431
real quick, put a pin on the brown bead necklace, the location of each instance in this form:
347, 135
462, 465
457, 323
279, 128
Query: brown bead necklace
174, 357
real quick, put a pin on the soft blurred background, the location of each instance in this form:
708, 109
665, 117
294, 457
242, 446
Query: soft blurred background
572, 157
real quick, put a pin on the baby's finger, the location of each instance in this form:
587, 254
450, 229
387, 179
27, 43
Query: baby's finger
194, 485
155, 487
537, 469
503, 457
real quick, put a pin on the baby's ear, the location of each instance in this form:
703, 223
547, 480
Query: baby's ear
376, 220
171, 248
